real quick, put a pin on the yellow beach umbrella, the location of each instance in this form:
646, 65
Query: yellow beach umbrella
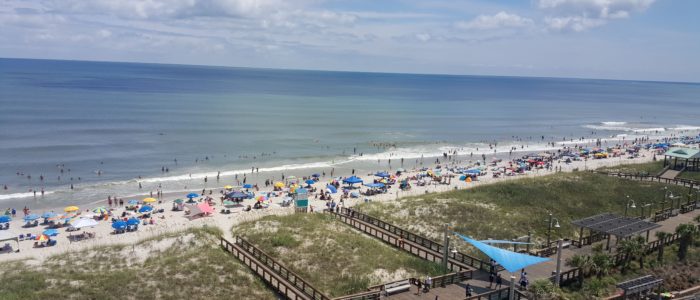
279, 184
71, 209
150, 200
228, 187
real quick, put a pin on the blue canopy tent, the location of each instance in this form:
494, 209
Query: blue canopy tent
132, 221
50, 232
119, 225
331, 188
352, 180
511, 261
5, 219
375, 185
382, 174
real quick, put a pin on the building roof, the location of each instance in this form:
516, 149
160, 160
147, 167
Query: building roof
615, 225
639, 285
683, 152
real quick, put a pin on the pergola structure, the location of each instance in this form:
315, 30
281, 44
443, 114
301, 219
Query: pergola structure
614, 225
638, 287
689, 158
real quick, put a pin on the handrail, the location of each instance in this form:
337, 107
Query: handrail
367, 295
283, 286
280, 269
418, 239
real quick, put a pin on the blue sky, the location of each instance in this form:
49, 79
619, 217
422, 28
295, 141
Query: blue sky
619, 39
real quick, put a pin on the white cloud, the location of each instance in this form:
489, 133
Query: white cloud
580, 15
599, 9
499, 20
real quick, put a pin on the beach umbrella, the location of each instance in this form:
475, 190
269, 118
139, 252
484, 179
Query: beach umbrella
145, 208
50, 232
237, 195
205, 208
382, 174
279, 184
119, 225
151, 200
400, 170
42, 238
247, 186
315, 175
229, 203
80, 223
48, 214
192, 195
132, 221
31, 217
100, 210
310, 182
228, 187
71, 209
133, 202
179, 201
261, 198
5, 219
331, 188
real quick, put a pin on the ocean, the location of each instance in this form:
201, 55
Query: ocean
105, 127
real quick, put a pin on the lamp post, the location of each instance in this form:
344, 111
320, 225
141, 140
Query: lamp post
629, 201
446, 248
549, 228
644, 216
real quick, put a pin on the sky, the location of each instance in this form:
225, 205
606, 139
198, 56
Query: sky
616, 39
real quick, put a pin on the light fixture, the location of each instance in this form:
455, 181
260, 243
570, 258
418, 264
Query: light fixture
634, 205
556, 225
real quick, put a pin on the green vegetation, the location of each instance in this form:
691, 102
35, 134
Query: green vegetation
650, 168
331, 255
512, 208
690, 175
186, 265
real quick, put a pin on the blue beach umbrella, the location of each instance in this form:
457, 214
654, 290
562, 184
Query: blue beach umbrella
145, 208
50, 232
133, 202
132, 221
310, 182
247, 186
119, 225
5, 219
31, 217
192, 195
315, 175
48, 214
237, 195
331, 188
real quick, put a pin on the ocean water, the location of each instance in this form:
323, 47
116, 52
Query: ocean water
114, 125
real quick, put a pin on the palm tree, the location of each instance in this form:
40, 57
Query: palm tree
602, 264
661, 236
630, 248
582, 262
686, 233
642, 249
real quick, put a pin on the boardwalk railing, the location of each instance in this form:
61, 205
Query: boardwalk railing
568, 277
286, 274
272, 278
499, 294
425, 243
368, 295
645, 177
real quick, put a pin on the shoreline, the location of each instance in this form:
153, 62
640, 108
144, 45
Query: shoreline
173, 221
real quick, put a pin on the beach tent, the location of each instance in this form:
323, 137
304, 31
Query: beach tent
9, 236
80, 223
331, 188
237, 195
179, 201
119, 225
352, 180
50, 232
31, 217
145, 209
375, 185
511, 261
382, 174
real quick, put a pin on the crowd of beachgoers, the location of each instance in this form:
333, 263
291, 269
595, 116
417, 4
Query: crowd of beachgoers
117, 221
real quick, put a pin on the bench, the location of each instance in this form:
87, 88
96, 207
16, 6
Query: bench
395, 287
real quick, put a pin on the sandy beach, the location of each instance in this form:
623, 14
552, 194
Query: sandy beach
173, 221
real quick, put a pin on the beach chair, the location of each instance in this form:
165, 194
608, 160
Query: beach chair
51, 243
21, 237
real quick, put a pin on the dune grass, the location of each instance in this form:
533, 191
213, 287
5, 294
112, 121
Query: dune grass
690, 175
187, 265
509, 209
650, 168
331, 255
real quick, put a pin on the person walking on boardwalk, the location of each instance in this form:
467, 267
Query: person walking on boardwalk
468, 290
